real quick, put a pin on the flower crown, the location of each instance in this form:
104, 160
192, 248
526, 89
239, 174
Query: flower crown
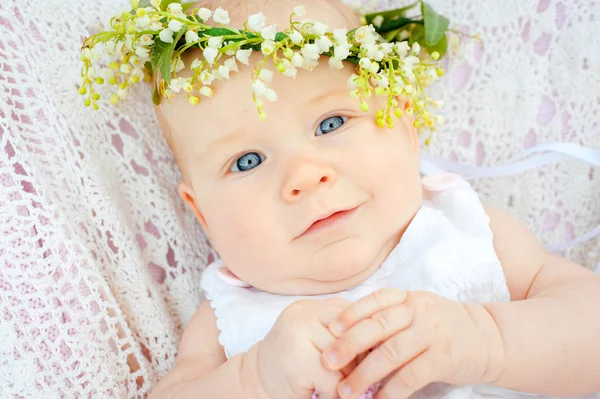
394, 55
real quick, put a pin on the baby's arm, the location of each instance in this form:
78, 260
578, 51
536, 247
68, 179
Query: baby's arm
201, 368
551, 328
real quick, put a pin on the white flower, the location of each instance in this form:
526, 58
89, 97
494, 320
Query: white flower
291, 72
175, 8
411, 61
129, 42
296, 37
230, 63
223, 72
125, 68
155, 4
110, 45
335, 63
387, 48
365, 35
191, 37
267, 47
221, 16
256, 21
381, 80
206, 77
297, 60
319, 28
265, 75
416, 48
204, 14
341, 52
243, 56
210, 54
215, 42
340, 36
177, 65
352, 81
187, 86
374, 67
378, 20
374, 53
166, 35
299, 10
402, 49
175, 25
289, 69
196, 64
259, 87
324, 43
310, 51
270, 95
143, 53
142, 23
268, 32
146, 40
206, 91
155, 25
364, 63
176, 84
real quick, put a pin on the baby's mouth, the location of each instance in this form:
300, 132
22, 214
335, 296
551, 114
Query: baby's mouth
329, 221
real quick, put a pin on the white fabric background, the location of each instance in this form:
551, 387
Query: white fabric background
100, 262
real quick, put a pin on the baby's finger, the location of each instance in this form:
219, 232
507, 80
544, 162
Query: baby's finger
411, 378
366, 307
330, 308
367, 334
388, 357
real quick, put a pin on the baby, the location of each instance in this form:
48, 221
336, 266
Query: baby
342, 268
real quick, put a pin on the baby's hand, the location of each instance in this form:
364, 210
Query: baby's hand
288, 360
424, 338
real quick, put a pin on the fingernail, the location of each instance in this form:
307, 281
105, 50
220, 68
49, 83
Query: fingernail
344, 390
333, 359
336, 328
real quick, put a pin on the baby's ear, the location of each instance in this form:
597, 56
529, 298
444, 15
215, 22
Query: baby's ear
187, 195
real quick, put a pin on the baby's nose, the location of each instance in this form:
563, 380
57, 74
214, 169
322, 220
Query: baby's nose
305, 178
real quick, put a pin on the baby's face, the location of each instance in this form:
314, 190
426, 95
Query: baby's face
310, 201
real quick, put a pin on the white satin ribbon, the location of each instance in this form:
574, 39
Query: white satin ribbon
540, 155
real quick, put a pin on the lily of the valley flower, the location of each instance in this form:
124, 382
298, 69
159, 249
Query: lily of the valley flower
191, 37
243, 56
221, 16
256, 21
204, 14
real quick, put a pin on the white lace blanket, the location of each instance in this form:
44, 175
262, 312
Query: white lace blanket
99, 261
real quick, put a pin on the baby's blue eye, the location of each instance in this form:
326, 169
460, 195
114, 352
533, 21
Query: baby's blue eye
247, 162
330, 124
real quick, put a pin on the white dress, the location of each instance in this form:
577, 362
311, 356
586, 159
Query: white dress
447, 249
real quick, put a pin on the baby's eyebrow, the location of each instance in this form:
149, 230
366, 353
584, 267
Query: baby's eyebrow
322, 96
230, 138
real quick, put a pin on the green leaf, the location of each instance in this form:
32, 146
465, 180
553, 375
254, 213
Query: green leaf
220, 32
441, 47
398, 12
417, 35
435, 25
161, 55
280, 36
397, 23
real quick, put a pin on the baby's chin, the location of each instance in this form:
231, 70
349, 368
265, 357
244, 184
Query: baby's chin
328, 276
